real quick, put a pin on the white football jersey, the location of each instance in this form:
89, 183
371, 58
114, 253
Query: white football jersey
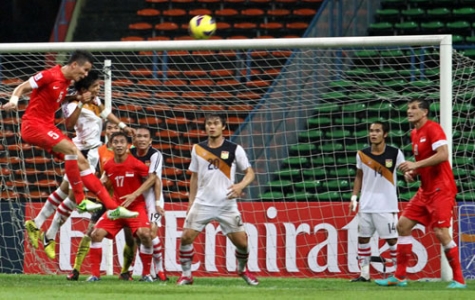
88, 126
379, 184
216, 170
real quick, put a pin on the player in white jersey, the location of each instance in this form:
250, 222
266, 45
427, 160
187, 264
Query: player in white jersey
213, 194
87, 121
376, 178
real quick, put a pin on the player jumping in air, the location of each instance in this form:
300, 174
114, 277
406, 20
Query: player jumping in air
376, 178
213, 196
87, 122
48, 90
434, 202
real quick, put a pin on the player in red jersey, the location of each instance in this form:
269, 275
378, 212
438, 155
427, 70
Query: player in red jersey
434, 202
48, 90
125, 174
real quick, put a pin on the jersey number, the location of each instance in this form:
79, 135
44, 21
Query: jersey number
213, 164
391, 227
53, 134
119, 180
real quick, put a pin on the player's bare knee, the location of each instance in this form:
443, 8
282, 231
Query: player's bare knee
363, 240
96, 236
391, 242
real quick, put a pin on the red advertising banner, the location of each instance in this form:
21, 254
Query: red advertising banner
298, 239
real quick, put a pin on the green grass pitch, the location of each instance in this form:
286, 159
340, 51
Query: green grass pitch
57, 287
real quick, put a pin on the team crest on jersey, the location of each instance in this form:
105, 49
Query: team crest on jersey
224, 154
127, 174
388, 163
423, 139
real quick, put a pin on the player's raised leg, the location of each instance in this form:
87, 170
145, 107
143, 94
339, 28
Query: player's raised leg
33, 227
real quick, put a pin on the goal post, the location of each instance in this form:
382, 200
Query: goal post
300, 108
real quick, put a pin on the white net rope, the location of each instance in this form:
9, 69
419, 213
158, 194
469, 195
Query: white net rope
300, 114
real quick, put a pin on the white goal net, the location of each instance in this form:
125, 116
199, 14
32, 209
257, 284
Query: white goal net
300, 108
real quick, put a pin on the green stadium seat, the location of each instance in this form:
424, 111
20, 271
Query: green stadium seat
358, 72
459, 27
398, 84
300, 196
319, 122
308, 185
464, 13
342, 85
438, 13
468, 196
432, 72
381, 107
288, 173
343, 172
407, 195
271, 196
347, 121
388, 95
422, 84
338, 134
398, 120
361, 134
280, 185
407, 148
369, 120
460, 161
381, 28
414, 95
409, 27
328, 196
387, 15
397, 133
322, 161
358, 96
355, 107
303, 149
328, 107
463, 107
413, 14
315, 172
356, 147
410, 73
331, 147
470, 39
333, 96
367, 84
349, 160
296, 161
432, 27
340, 185
311, 135
458, 39
460, 173
384, 72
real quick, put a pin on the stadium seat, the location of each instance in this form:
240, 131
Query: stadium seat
303, 149
324, 160
271, 196
328, 196
331, 147
319, 122
405, 28
316, 173
387, 15
178, 162
337, 185
300, 196
288, 173
277, 13
464, 14
433, 27
459, 27
283, 186
180, 196
381, 29
298, 162
311, 136
310, 186
338, 134
195, 136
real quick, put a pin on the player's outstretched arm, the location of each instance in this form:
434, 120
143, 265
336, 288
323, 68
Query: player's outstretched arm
19, 91
107, 114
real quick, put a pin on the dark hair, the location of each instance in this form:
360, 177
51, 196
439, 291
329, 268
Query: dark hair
215, 115
384, 125
119, 133
423, 104
80, 56
144, 128
86, 82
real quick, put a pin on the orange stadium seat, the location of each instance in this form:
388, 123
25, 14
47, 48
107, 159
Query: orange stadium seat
248, 96
226, 13
35, 195
11, 81
271, 26
150, 121
279, 12
139, 95
166, 26
141, 72
177, 123
252, 12
304, 12
186, 110
183, 150
149, 82
193, 96
178, 162
156, 108
122, 82
171, 173
158, 38
212, 108
46, 183
148, 12
222, 73
199, 11
195, 135
222, 26
132, 38
282, 53
165, 148
168, 135
166, 96
245, 25
183, 185
258, 83
174, 13
220, 96
130, 107
167, 183
178, 196
141, 26
194, 73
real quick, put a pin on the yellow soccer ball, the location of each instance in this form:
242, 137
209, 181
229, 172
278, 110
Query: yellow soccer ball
202, 27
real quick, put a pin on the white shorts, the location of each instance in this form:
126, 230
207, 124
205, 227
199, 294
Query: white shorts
383, 223
200, 215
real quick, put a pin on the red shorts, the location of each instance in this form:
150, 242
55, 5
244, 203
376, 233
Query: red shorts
42, 135
431, 209
113, 227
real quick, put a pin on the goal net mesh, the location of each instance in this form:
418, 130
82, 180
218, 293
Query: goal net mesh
300, 114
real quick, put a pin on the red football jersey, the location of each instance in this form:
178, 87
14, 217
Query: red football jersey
424, 142
126, 178
49, 90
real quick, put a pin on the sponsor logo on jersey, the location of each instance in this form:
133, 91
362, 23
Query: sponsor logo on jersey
127, 174
224, 154
38, 76
423, 139
388, 163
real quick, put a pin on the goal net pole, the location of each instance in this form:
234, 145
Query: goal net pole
443, 42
